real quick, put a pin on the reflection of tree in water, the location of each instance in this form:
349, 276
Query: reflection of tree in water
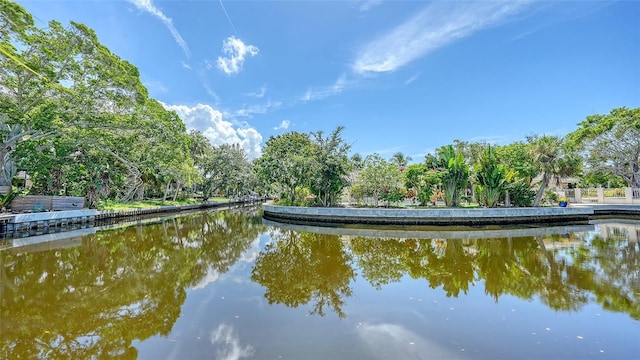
298, 268
564, 279
118, 286
610, 270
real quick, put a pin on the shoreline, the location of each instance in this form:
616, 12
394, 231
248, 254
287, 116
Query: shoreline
445, 216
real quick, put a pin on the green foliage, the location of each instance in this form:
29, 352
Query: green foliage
285, 164
554, 159
492, 179
521, 194
329, 167
226, 169
401, 160
5, 199
423, 181
518, 157
611, 143
358, 191
455, 173
603, 178
393, 194
78, 118
379, 175
550, 196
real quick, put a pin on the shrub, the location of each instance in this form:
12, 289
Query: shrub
520, 194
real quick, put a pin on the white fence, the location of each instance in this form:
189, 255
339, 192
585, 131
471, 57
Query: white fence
602, 196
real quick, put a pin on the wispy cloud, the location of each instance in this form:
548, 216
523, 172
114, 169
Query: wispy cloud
489, 139
324, 92
155, 87
249, 111
283, 125
185, 65
367, 5
147, 5
260, 93
227, 344
236, 51
412, 79
228, 17
439, 24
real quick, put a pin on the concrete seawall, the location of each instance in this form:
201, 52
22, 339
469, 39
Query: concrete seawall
438, 217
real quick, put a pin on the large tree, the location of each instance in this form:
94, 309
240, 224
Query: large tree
330, 167
611, 143
285, 163
554, 159
379, 175
227, 170
78, 118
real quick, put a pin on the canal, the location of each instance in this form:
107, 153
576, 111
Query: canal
227, 285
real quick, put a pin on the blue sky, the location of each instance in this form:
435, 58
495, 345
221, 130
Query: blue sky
401, 76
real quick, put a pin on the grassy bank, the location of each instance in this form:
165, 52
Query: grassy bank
114, 205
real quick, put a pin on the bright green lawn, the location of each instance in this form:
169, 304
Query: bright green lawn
114, 205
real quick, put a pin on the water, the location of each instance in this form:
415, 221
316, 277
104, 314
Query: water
224, 285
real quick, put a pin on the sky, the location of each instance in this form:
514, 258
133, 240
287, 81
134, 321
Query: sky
400, 76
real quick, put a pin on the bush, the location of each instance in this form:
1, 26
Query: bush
521, 195
393, 195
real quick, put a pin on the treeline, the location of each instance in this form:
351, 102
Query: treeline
77, 119
306, 169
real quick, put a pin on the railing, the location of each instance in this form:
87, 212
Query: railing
614, 193
603, 196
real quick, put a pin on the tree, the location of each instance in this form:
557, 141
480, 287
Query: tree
611, 143
301, 267
66, 98
553, 160
491, 177
422, 180
517, 156
227, 169
285, 163
455, 172
330, 167
379, 175
400, 159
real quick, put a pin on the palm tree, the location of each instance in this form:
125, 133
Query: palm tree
553, 160
400, 159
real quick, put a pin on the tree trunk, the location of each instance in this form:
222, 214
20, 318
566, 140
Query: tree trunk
543, 185
175, 195
166, 191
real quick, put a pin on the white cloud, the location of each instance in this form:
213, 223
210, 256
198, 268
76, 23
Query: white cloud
412, 79
249, 111
236, 51
147, 5
259, 94
155, 87
283, 125
369, 4
390, 341
211, 276
439, 24
209, 121
321, 93
185, 65
227, 344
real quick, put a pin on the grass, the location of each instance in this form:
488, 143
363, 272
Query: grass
114, 205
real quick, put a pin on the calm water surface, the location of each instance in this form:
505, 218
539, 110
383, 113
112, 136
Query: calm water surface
225, 285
